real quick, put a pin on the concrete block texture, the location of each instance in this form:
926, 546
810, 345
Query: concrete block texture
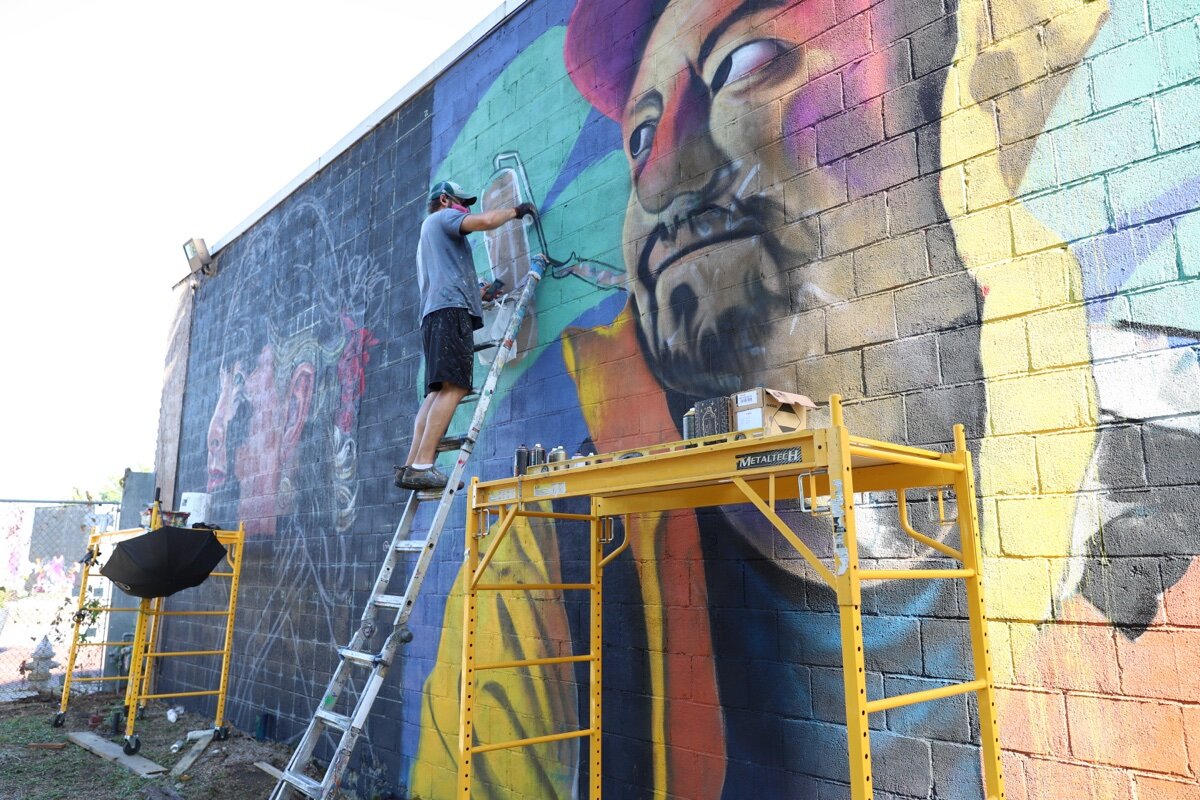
890, 263
882, 167
856, 129
860, 322
939, 303
854, 225
902, 365
975, 212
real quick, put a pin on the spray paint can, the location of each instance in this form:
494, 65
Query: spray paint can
520, 460
537, 457
689, 423
556, 457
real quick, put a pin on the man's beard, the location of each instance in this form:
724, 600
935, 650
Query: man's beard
705, 345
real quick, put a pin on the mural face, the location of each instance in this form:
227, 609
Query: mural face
711, 232
723, 225
289, 385
706, 240
253, 463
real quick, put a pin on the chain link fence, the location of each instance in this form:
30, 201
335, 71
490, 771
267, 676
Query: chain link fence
41, 547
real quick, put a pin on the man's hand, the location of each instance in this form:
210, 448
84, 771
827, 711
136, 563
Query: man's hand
490, 291
526, 210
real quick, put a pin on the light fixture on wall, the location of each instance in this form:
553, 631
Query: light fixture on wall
197, 255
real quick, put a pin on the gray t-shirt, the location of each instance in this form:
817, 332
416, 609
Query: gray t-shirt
445, 269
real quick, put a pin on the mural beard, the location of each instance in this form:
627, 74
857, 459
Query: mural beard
710, 290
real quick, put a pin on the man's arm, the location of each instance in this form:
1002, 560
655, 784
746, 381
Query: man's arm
490, 220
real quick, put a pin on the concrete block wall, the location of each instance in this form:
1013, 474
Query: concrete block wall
948, 211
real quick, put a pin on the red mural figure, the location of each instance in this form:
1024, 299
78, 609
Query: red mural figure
291, 375
294, 334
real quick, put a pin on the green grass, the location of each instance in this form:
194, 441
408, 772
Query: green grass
68, 774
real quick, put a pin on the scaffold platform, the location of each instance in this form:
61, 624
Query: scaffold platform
823, 469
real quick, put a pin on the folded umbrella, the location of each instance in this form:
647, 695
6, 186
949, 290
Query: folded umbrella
164, 561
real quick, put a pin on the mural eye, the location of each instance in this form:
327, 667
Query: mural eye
744, 61
641, 139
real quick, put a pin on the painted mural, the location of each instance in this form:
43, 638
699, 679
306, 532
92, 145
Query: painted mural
294, 336
946, 211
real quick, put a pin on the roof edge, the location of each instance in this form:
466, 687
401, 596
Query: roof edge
427, 76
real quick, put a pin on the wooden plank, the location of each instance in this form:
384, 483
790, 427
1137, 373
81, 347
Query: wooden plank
110, 751
198, 746
46, 745
274, 772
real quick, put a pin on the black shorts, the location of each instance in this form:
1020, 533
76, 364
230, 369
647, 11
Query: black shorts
447, 336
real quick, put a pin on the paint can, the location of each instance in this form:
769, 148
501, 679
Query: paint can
689, 423
537, 457
520, 460
556, 457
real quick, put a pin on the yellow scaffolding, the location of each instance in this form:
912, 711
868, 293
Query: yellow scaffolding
144, 646
823, 469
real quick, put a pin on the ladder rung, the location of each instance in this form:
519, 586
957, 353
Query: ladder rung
914, 574
411, 545
339, 721
390, 600
449, 443
308, 785
912, 698
487, 345
436, 494
359, 657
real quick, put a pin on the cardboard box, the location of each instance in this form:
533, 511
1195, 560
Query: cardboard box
773, 410
713, 417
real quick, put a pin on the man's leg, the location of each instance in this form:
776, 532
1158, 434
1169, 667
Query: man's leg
430, 427
419, 427
449, 361
432, 422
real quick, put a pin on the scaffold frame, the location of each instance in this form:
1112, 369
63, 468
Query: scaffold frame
823, 469
144, 647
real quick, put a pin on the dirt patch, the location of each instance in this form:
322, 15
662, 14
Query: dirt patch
225, 771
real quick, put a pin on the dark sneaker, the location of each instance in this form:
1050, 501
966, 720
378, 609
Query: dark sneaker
423, 480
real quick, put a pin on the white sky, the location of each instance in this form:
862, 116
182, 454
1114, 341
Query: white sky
127, 128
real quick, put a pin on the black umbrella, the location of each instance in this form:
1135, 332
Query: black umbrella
164, 561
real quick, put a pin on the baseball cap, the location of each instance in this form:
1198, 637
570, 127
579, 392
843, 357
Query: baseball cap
454, 190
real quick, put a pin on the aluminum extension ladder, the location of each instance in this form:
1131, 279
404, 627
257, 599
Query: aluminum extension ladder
356, 655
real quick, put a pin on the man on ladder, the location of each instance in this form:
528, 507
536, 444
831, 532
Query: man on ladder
451, 310
447, 283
